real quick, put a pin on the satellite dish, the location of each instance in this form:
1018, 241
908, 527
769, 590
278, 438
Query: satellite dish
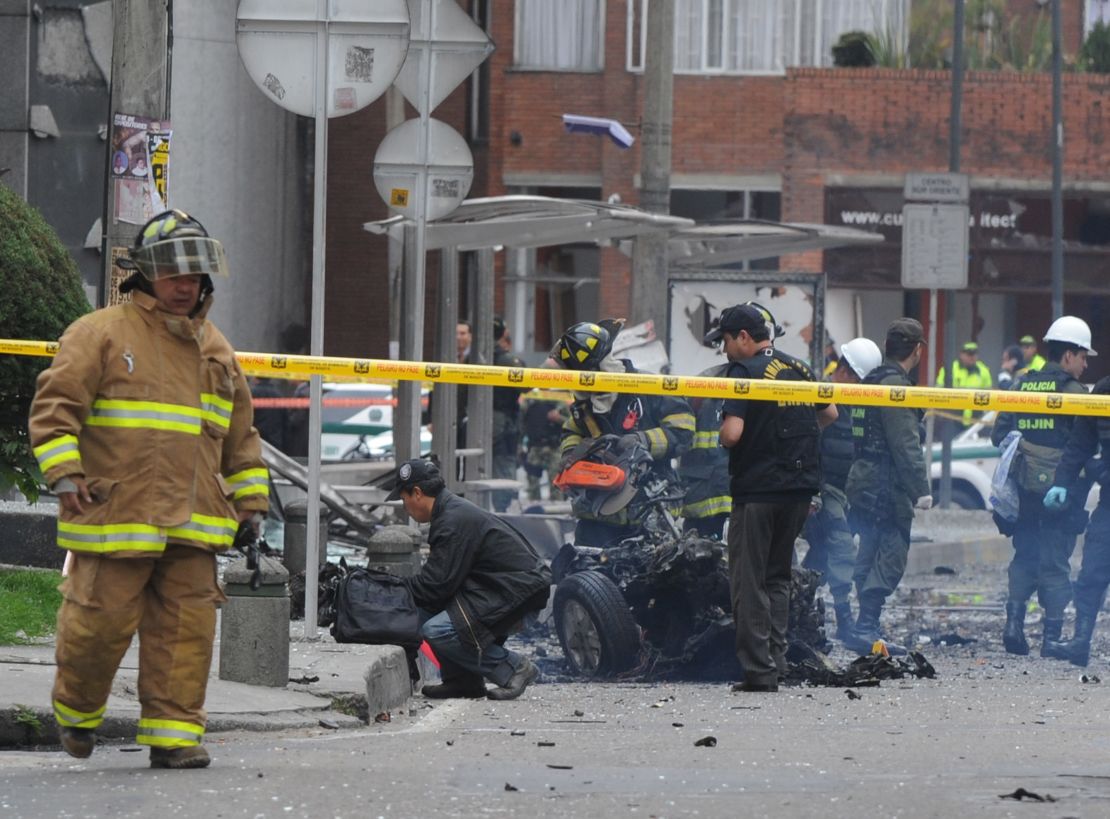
367, 44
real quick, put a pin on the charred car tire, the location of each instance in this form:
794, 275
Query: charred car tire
595, 627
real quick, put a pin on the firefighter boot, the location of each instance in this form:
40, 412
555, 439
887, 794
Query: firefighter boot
1077, 650
843, 613
1052, 627
192, 756
78, 742
1013, 635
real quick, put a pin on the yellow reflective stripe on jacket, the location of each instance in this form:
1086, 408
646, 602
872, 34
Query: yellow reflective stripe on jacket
206, 529
111, 537
707, 440
216, 410
718, 505
71, 718
679, 420
569, 442
109, 412
657, 442
169, 733
250, 482
142, 537
61, 449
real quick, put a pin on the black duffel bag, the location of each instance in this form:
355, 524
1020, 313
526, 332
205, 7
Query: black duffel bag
375, 608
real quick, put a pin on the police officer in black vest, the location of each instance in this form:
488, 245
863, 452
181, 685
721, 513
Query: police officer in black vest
886, 483
1088, 435
775, 469
1043, 538
832, 547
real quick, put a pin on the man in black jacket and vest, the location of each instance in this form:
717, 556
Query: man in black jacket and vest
887, 482
1044, 538
479, 581
774, 464
832, 546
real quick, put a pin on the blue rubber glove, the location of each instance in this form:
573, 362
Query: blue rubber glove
1056, 498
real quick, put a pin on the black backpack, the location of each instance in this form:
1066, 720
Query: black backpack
375, 608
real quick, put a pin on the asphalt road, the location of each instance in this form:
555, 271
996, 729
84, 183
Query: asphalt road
948, 747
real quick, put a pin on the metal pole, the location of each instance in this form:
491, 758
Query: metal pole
954, 136
140, 85
319, 232
1057, 166
649, 257
445, 419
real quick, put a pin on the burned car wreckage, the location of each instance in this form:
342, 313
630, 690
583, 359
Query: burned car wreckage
653, 601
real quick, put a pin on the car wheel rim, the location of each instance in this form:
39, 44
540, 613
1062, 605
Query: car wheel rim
583, 640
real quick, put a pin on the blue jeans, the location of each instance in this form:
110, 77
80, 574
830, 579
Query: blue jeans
495, 663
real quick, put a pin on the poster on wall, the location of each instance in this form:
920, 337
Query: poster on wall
140, 167
697, 302
119, 274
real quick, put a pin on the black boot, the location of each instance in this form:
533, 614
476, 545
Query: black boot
866, 632
1077, 650
1052, 628
843, 613
1013, 635
464, 686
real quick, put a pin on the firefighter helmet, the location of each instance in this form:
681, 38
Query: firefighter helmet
1071, 330
582, 346
175, 244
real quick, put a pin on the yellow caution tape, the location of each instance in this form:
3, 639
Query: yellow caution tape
805, 392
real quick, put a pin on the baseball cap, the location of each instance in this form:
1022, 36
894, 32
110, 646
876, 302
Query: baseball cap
906, 329
735, 319
1027, 341
411, 473
970, 347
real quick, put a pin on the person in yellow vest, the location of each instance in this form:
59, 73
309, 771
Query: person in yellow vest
968, 373
1033, 360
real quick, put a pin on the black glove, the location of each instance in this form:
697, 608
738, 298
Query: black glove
631, 440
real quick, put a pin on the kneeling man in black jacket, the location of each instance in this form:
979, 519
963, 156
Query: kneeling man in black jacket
479, 581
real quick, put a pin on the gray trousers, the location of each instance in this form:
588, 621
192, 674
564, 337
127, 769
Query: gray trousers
884, 548
1042, 554
760, 553
832, 548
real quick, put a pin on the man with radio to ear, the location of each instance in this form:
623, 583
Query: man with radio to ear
479, 581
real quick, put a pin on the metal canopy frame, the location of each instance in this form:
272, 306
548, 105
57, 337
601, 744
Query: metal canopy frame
521, 221
713, 244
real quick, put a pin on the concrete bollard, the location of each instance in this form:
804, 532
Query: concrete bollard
394, 549
254, 626
294, 552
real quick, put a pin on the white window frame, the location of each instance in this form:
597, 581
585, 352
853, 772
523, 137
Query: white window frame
518, 38
637, 17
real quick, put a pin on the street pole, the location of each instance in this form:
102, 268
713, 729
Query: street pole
1057, 166
649, 256
954, 127
140, 86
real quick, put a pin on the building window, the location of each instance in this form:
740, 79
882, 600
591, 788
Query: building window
715, 205
1098, 11
763, 36
559, 36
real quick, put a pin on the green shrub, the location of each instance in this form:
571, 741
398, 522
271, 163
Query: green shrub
40, 294
1095, 54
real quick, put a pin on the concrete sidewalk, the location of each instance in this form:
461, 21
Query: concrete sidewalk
348, 677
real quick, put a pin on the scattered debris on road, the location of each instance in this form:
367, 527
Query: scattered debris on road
1021, 794
706, 742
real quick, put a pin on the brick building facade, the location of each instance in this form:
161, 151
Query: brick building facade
809, 144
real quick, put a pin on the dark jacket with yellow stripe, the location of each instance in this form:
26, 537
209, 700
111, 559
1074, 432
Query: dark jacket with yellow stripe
665, 423
704, 468
154, 412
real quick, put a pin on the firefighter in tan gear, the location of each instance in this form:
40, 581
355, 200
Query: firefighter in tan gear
142, 427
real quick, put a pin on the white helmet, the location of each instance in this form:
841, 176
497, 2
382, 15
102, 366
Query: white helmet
862, 354
1071, 330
